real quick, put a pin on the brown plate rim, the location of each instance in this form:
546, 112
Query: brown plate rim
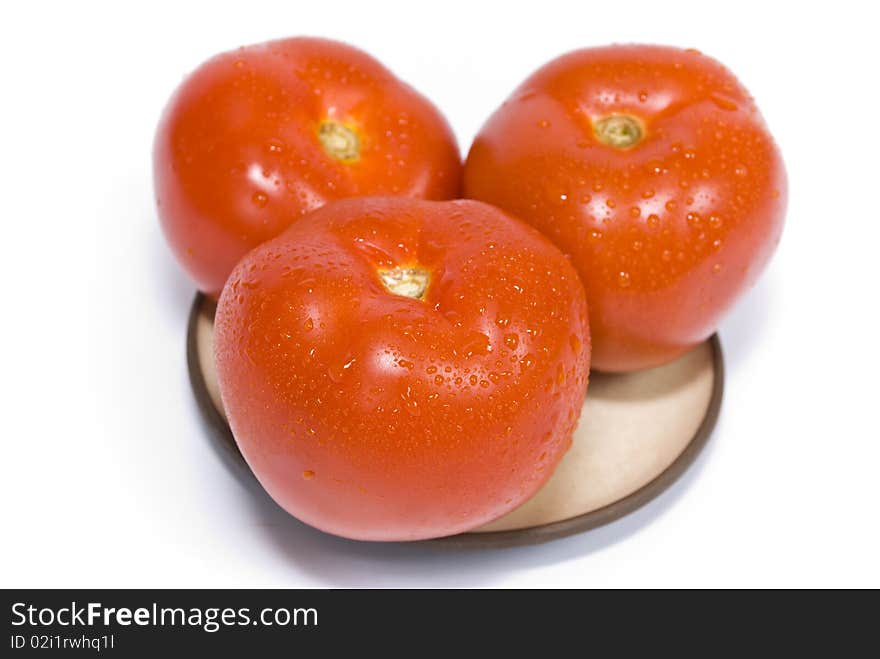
222, 434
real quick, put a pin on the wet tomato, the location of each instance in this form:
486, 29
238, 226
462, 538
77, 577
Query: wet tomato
256, 137
652, 168
397, 369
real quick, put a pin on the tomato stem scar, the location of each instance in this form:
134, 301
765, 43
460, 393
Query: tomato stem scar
339, 141
621, 131
407, 282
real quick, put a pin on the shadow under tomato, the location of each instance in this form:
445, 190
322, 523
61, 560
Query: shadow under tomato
173, 289
743, 328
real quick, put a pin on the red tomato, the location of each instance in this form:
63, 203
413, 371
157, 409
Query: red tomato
257, 137
653, 169
397, 369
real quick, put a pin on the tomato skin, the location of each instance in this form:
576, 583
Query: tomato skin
377, 416
237, 154
666, 234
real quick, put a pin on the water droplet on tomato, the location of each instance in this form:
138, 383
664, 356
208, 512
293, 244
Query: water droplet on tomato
560, 375
723, 103
477, 343
410, 404
338, 371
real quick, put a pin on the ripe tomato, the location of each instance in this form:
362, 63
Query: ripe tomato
257, 137
397, 369
653, 169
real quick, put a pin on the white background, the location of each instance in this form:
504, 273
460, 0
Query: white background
108, 477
